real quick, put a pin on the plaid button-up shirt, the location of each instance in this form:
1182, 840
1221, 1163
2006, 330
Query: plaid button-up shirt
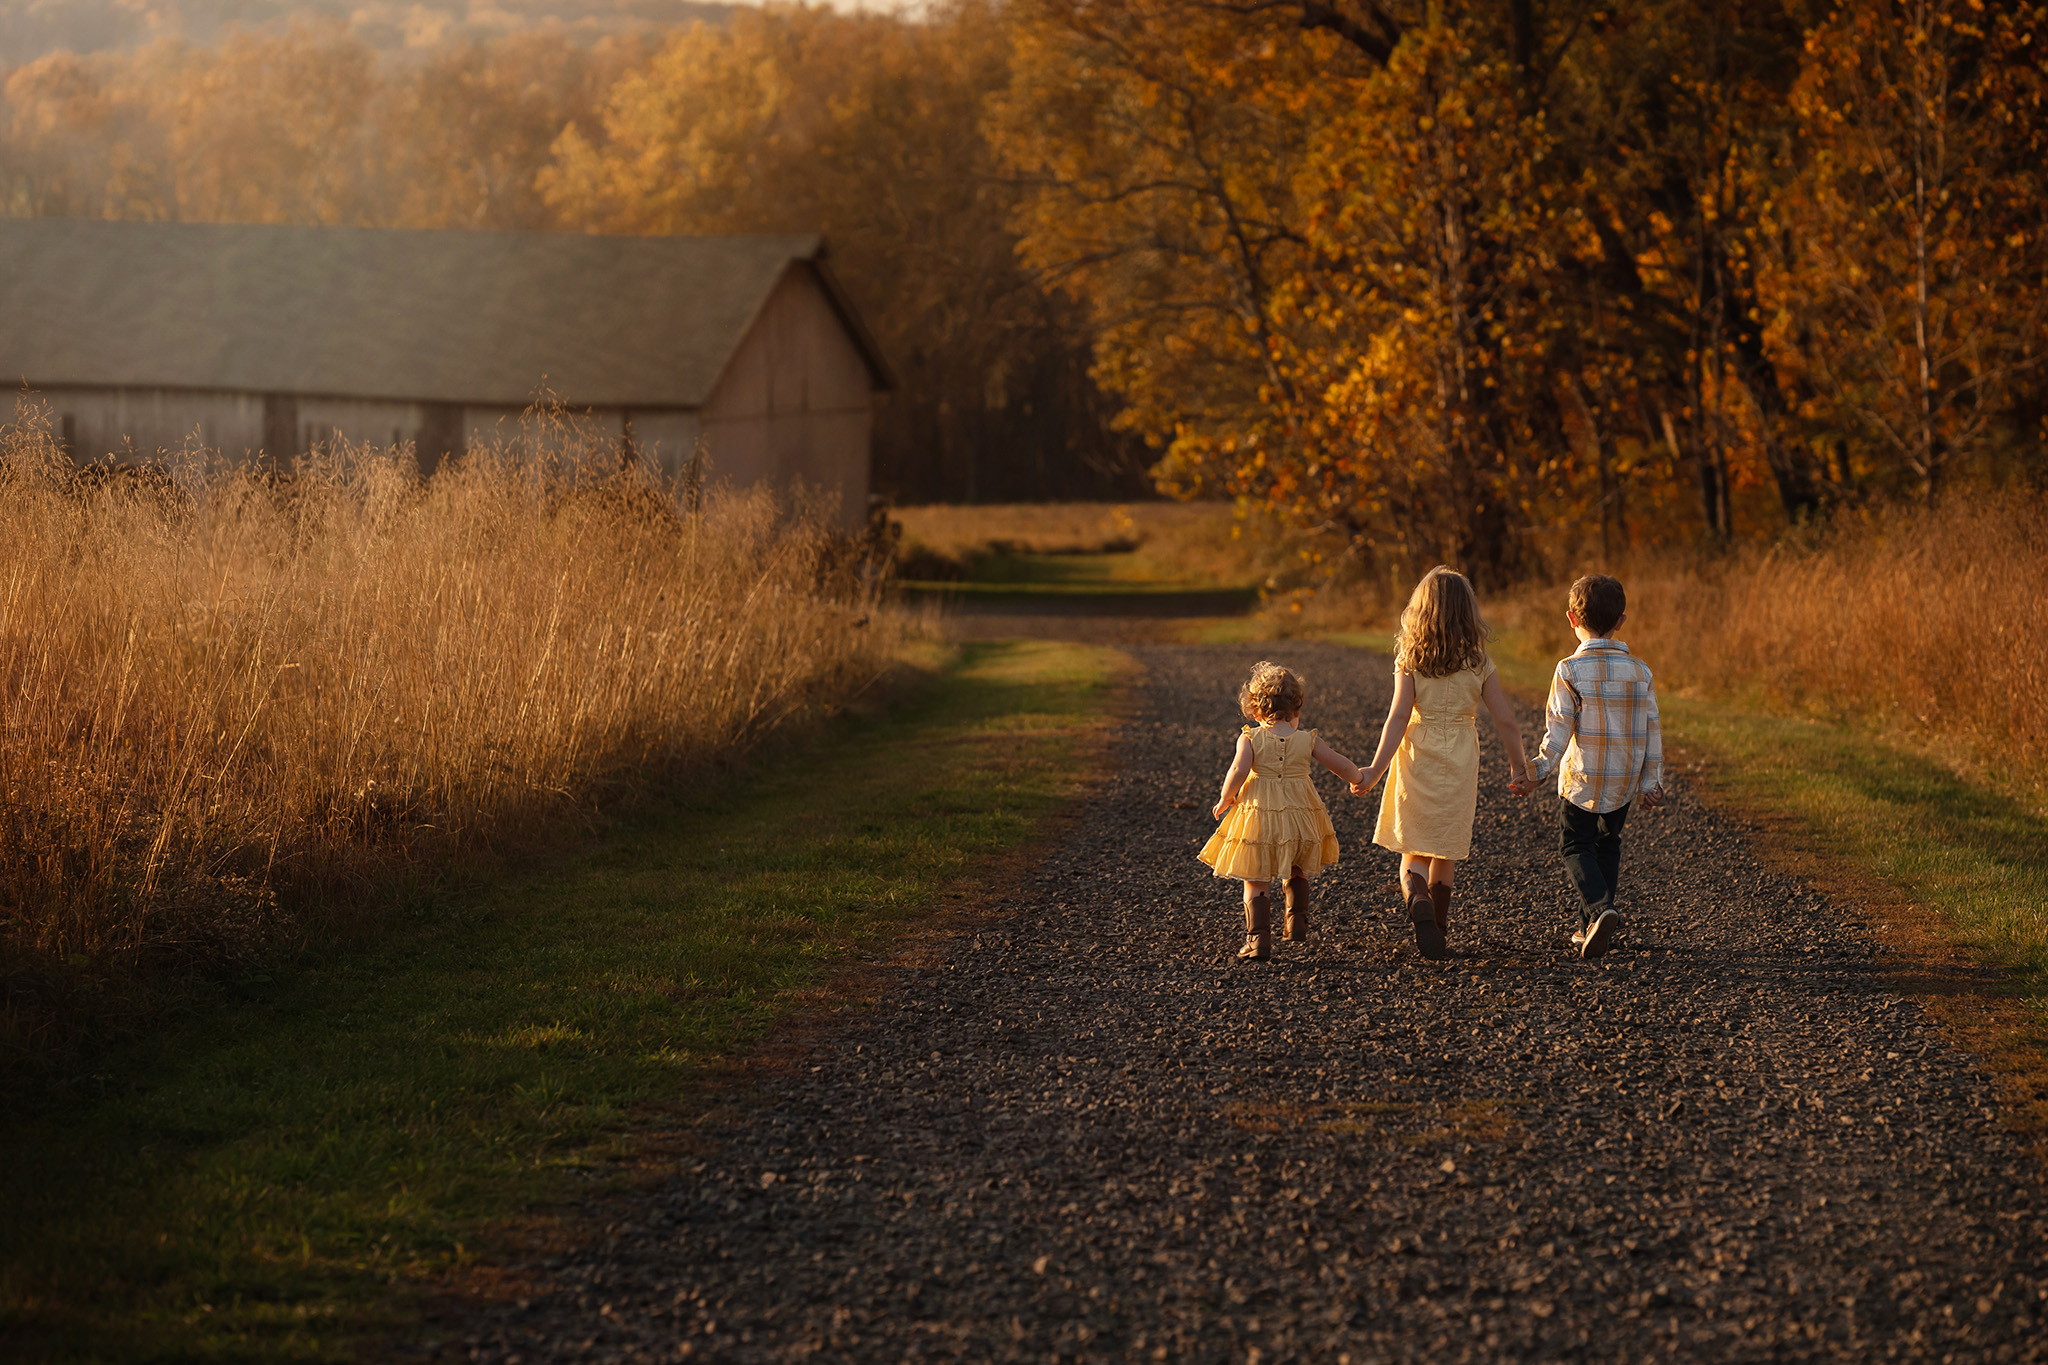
1600, 733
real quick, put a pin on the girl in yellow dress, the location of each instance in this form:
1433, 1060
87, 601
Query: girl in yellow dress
1277, 827
1431, 743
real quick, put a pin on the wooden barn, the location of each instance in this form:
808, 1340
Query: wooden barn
142, 337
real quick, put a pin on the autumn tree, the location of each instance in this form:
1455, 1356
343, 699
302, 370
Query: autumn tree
1910, 272
1320, 250
1669, 127
867, 128
80, 142
464, 135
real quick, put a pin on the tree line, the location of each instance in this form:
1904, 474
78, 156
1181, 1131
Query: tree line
1433, 280
1446, 278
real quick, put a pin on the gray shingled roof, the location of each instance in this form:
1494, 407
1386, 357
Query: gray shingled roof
463, 317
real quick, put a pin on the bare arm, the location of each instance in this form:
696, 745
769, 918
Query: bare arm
1336, 762
1390, 734
1503, 713
1240, 767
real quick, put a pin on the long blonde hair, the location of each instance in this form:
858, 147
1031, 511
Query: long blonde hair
1441, 630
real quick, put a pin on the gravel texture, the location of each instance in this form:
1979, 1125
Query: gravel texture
1083, 1132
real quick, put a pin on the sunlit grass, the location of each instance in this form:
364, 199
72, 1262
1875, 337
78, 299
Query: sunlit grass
231, 698
265, 1177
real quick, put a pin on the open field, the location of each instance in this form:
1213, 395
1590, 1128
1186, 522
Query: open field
1017, 1129
287, 1166
232, 701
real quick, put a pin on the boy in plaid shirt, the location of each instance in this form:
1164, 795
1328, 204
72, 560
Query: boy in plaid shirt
1602, 738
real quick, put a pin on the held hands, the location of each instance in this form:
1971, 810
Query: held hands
1367, 777
1521, 784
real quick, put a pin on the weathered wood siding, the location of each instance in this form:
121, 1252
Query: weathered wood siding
143, 423
794, 407
148, 423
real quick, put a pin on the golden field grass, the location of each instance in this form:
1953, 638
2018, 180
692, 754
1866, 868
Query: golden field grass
1931, 626
229, 699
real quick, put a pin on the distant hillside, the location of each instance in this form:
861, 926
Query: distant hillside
31, 28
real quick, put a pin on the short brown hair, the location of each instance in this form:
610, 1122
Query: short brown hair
1271, 693
1598, 601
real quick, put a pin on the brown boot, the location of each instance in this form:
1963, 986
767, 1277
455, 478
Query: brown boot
1429, 940
1295, 925
1414, 887
1258, 930
1440, 903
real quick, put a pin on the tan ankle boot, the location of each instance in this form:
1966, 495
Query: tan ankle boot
1294, 928
1258, 930
1440, 903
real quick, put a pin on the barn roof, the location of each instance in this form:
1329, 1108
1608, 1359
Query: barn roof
460, 317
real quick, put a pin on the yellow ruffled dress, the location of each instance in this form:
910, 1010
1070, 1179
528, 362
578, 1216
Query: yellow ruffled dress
1279, 824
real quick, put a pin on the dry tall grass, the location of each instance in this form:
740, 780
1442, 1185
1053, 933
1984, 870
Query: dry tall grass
224, 694
1931, 623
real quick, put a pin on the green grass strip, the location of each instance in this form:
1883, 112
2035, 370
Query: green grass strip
263, 1180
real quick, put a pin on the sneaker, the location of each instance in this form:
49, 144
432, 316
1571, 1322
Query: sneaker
1600, 937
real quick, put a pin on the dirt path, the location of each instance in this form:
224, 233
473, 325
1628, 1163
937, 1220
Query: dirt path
1086, 1134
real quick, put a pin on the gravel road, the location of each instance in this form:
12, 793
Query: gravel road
1085, 1133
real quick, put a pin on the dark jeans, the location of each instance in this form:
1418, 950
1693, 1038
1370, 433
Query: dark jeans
1592, 854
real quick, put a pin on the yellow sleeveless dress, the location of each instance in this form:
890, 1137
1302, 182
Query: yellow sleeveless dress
1279, 823
1432, 788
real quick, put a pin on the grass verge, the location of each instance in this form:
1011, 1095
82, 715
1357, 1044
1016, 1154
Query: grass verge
1951, 874
267, 1178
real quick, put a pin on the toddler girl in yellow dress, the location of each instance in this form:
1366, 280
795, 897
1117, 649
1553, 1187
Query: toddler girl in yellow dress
1431, 742
1277, 827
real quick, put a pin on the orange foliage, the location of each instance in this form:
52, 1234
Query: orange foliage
1496, 284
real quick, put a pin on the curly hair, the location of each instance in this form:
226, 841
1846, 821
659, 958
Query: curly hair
1441, 630
1271, 693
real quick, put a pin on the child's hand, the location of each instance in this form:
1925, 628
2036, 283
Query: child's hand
1222, 808
1653, 796
1522, 785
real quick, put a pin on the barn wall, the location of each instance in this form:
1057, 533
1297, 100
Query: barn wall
667, 440
357, 421
795, 405
599, 429
141, 423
